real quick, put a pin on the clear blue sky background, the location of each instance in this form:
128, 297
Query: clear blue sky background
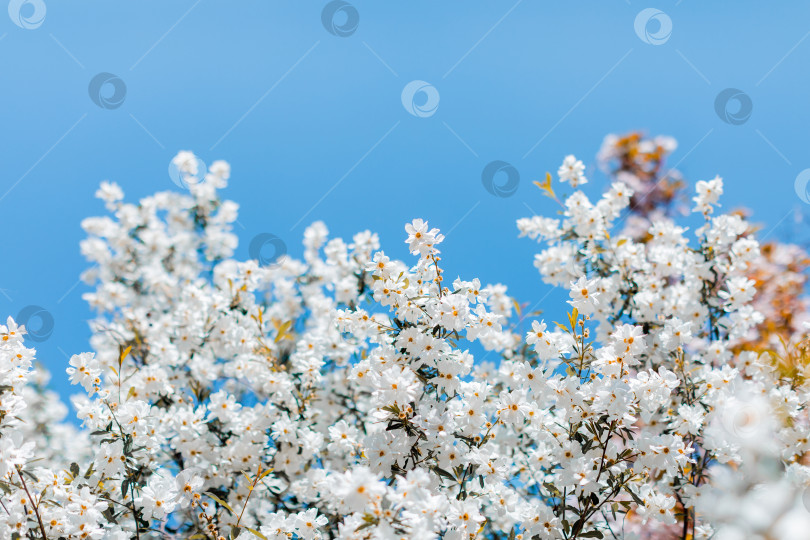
303, 112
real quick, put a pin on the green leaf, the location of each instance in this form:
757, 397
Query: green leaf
635, 497
256, 533
221, 502
442, 472
282, 331
122, 355
591, 534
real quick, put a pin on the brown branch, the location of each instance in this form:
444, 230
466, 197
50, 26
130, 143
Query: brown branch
252, 487
34, 506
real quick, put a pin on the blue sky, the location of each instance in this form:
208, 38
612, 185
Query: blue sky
314, 125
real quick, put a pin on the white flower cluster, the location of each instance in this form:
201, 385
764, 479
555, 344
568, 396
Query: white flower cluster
336, 396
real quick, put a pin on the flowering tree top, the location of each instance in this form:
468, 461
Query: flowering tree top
336, 396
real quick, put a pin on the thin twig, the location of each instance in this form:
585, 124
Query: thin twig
34, 506
252, 487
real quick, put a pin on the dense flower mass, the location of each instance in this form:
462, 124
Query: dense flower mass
336, 396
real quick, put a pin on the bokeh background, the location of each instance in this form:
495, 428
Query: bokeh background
305, 100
